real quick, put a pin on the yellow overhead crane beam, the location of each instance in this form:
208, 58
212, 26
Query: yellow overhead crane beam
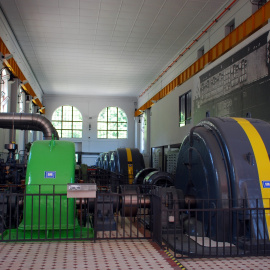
244, 30
16, 71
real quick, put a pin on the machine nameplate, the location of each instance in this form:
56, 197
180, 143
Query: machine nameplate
266, 184
81, 190
50, 174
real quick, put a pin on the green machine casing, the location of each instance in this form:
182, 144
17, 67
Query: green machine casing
47, 212
51, 166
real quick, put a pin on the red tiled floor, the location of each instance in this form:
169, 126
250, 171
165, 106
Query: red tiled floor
104, 254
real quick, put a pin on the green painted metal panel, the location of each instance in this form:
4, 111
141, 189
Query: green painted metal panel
51, 162
51, 166
48, 213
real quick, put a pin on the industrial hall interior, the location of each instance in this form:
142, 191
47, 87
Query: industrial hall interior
134, 134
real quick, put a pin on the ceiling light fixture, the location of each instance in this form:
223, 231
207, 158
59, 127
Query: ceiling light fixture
27, 98
139, 116
7, 56
11, 78
24, 82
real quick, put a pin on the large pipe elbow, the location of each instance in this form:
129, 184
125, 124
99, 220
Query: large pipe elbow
28, 121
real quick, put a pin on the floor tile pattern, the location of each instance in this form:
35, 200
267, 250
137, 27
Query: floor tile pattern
244, 263
111, 255
102, 255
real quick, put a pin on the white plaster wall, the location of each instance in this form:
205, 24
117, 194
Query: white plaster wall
165, 128
164, 120
90, 107
239, 11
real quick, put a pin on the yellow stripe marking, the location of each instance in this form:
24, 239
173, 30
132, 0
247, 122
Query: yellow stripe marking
174, 259
130, 166
262, 161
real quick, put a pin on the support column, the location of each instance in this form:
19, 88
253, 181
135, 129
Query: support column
26, 132
13, 91
137, 132
147, 149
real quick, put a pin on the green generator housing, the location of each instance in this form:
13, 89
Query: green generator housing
51, 166
47, 212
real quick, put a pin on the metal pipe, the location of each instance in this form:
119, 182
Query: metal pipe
28, 121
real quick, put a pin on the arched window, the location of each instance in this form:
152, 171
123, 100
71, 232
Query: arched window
67, 120
112, 124
21, 98
4, 91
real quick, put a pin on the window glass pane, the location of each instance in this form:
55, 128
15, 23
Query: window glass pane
122, 134
59, 131
77, 116
188, 107
122, 126
57, 115
4, 91
185, 109
103, 115
77, 125
77, 134
66, 133
122, 117
112, 126
112, 119
102, 134
67, 113
62, 120
112, 134
112, 114
67, 125
21, 98
102, 126
56, 124
182, 110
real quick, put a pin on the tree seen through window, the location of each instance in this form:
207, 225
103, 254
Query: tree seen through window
112, 123
67, 120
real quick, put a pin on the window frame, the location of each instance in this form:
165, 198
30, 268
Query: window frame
72, 121
4, 91
185, 101
21, 101
200, 52
107, 122
229, 27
